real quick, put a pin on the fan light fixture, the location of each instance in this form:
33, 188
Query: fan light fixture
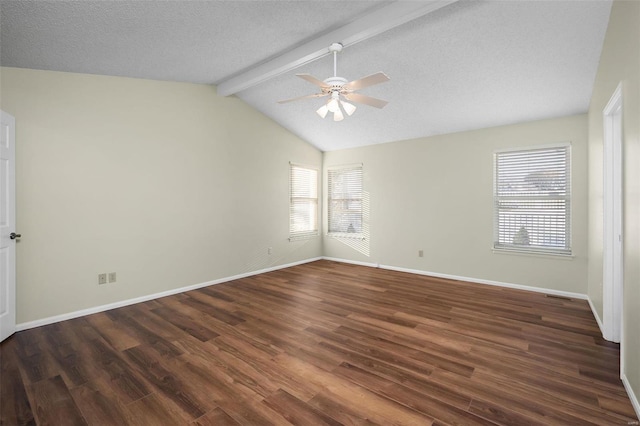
348, 108
323, 110
337, 88
333, 104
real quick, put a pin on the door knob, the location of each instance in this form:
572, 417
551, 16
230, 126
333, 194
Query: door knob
13, 235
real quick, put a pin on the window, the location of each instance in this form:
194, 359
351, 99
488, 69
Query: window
345, 201
532, 200
303, 209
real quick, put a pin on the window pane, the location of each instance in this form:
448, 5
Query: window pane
303, 216
303, 208
532, 200
305, 182
345, 200
538, 223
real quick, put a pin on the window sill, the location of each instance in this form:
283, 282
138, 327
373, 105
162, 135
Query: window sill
302, 237
532, 253
346, 235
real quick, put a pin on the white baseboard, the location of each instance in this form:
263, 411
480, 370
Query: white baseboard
102, 308
632, 395
122, 303
352, 262
597, 317
488, 282
467, 279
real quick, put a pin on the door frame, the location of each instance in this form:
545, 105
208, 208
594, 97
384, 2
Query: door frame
613, 230
8, 311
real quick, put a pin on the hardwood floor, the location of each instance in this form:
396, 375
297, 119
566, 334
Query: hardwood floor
321, 344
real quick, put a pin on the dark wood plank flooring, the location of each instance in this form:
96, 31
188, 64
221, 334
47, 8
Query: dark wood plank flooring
321, 344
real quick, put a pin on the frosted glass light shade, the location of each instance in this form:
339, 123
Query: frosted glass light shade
338, 116
322, 111
333, 105
348, 108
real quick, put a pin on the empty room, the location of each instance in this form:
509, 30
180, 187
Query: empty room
320, 212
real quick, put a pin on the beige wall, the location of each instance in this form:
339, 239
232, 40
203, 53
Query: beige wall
167, 184
620, 62
436, 194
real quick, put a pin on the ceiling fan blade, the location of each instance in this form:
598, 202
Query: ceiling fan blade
367, 81
315, 95
367, 100
311, 79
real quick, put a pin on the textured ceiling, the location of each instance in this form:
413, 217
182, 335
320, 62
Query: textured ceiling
468, 65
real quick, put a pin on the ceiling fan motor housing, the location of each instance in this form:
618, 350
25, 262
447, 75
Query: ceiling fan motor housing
335, 84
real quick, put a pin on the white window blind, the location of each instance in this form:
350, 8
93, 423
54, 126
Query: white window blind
303, 209
532, 200
345, 201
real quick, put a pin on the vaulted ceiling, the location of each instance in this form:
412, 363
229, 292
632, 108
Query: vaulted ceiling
454, 66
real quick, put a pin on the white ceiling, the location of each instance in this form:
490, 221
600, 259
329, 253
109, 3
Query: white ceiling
468, 65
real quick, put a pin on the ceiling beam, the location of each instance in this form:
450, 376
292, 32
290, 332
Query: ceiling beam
378, 21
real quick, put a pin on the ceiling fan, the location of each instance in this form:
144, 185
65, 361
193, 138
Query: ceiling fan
336, 87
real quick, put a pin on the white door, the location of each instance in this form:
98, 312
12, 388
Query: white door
7, 226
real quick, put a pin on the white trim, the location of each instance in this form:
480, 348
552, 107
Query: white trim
352, 262
595, 315
533, 253
346, 235
122, 303
489, 282
102, 308
533, 147
306, 166
467, 279
345, 166
613, 230
302, 237
631, 393
615, 100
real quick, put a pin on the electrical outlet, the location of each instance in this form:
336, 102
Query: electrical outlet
270, 250
102, 278
112, 277
420, 253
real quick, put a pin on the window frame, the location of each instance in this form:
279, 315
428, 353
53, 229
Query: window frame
503, 247
301, 235
330, 192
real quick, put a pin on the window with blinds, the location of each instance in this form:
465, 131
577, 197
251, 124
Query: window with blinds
532, 200
345, 201
303, 208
